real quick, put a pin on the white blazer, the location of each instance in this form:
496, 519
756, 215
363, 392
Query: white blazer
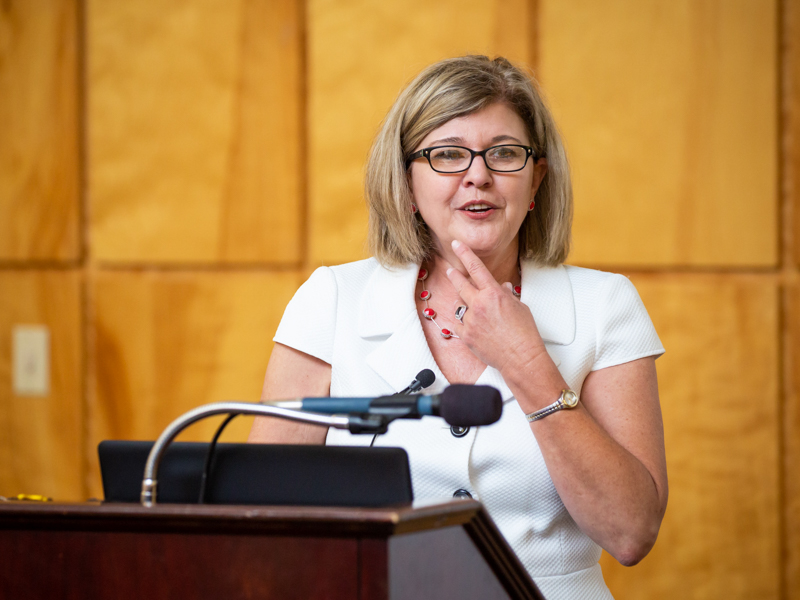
363, 320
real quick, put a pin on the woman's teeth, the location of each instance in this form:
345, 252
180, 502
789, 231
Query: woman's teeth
478, 207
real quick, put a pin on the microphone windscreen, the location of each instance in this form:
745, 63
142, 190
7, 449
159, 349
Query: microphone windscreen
426, 378
470, 405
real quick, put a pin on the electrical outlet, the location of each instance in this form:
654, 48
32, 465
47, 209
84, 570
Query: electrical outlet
31, 352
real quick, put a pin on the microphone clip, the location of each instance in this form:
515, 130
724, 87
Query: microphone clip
369, 424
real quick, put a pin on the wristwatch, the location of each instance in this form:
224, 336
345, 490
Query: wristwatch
567, 399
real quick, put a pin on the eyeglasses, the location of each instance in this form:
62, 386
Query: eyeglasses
456, 159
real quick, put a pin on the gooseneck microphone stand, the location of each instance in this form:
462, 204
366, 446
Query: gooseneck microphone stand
457, 404
355, 424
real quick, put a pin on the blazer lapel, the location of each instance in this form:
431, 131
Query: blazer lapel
388, 310
548, 294
387, 299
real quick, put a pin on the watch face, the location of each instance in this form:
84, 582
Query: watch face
570, 399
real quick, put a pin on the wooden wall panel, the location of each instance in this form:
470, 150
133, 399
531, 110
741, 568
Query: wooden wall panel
719, 385
195, 113
41, 437
790, 28
39, 147
670, 113
166, 342
791, 436
360, 55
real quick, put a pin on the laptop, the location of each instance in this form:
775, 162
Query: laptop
261, 474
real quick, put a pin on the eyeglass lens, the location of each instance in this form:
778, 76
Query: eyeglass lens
451, 159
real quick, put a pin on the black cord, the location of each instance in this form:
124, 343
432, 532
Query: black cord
210, 456
423, 379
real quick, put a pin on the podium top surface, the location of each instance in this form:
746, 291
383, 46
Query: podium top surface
313, 520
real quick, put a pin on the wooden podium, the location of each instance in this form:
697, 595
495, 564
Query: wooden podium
120, 551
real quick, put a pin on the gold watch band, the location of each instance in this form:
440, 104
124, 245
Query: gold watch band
568, 399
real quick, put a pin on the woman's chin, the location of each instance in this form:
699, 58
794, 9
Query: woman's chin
482, 250
483, 247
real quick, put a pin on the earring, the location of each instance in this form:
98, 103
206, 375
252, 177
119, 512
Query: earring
532, 204
414, 209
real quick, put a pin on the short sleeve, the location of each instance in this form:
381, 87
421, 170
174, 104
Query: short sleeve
624, 329
309, 321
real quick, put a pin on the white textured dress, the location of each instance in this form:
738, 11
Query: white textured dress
362, 319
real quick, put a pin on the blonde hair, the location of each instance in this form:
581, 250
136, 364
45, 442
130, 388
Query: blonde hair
445, 90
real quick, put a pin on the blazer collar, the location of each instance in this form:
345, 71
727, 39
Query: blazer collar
389, 297
388, 309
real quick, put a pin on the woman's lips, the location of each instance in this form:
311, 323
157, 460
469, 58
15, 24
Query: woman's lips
478, 210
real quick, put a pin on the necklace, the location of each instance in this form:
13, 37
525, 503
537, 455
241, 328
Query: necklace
430, 314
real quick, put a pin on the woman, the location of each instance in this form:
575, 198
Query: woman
470, 206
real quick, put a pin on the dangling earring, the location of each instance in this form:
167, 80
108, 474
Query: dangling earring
414, 209
532, 204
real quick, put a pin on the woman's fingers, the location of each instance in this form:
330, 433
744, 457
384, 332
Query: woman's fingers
477, 271
464, 288
497, 327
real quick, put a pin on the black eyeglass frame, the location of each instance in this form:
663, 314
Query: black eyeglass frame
426, 152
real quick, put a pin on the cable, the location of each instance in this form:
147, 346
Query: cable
424, 378
210, 455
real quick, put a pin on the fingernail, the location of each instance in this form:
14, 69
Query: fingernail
456, 244
449, 270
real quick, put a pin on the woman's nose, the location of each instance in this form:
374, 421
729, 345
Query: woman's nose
478, 173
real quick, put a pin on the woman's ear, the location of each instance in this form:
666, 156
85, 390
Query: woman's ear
409, 181
414, 209
539, 171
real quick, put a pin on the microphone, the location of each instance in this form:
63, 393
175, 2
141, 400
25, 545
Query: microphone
424, 378
461, 405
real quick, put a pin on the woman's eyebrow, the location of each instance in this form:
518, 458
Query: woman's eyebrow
448, 140
460, 140
505, 138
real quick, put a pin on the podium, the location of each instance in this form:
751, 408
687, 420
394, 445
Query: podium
125, 551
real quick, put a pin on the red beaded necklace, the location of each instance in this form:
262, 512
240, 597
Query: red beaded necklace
430, 314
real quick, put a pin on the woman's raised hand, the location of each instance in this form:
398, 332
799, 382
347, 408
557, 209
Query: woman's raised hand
497, 327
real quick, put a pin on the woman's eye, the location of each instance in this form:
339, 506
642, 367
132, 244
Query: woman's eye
448, 155
504, 153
